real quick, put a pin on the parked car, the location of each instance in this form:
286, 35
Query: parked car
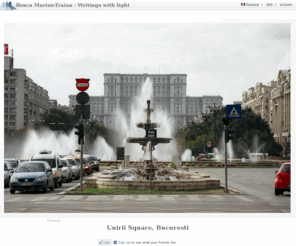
75, 167
282, 180
94, 161
87, 168
54, 162
32, 175
8, 171
66, 171
14, 162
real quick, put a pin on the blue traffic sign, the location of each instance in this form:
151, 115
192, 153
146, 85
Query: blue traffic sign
234, 111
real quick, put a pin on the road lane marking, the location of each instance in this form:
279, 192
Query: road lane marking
216, 196
244, 199
71, 198
257, 182
15, 199
53, 198
194, 197
233, 174
266, 197
118, 198
95, 198
168, 198
143, 198
42, 198
244, 178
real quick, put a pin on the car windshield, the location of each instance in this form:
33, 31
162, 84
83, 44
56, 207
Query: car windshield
64, 163
286, 169
51, 162
30, 168
71, 162
5, 167
92, 158
77, 161
12, 163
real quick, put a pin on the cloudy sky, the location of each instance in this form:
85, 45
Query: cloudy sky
218, 58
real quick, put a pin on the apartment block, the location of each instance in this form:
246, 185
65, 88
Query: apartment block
258, 99
24, 100
280, 109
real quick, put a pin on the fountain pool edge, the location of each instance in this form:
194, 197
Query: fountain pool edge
165, 185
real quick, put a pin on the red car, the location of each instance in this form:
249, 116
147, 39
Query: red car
282, 180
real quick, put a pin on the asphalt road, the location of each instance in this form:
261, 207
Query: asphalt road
256, 185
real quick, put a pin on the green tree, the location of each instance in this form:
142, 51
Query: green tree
247, 129
56, 119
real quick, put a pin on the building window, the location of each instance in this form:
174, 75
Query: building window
178, 80
178, 93
126, 79
111, 79
136, 79
153, 80
158, 80
140, 79
131, 79
131, 93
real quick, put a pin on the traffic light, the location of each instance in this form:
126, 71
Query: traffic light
80, 133
228, 135
225, 121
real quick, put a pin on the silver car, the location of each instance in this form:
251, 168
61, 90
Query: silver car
66, 171
75, 167
7, 174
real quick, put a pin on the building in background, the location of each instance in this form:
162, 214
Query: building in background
24, 100
53, 104
272, 103
280, 112
169, 95
258, 99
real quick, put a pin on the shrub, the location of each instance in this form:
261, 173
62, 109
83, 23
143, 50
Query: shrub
218, 165
199, 164
187, 164
210, 164
172, 165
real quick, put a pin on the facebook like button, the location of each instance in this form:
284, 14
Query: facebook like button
105, 242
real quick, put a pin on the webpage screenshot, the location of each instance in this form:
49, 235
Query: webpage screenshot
147, 122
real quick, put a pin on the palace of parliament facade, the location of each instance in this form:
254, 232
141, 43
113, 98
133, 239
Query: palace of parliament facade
169, 94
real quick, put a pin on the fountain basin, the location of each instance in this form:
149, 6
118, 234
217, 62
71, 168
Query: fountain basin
163, 185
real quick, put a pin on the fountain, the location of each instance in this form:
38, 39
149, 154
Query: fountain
149, 174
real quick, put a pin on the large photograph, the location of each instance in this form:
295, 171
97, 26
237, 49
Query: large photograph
147, 118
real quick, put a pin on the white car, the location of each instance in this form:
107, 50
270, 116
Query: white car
75, 167
66, 171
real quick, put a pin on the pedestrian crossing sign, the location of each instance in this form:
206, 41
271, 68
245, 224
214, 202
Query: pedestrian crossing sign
234, 111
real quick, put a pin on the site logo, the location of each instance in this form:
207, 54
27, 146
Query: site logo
105, 242
115, 242
7, 6
243, 4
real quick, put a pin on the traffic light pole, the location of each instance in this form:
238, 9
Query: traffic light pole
81, 159
226, 190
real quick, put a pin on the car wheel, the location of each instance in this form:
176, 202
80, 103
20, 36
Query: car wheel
45, 188
88, 174
56, 184
98, 169
71, 179
277, 192
61, 183
12, 191
77, 176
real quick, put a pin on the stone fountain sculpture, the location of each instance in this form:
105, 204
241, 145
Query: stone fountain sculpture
149, 127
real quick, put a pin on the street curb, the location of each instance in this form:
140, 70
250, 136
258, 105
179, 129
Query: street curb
69, 189
241, 193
